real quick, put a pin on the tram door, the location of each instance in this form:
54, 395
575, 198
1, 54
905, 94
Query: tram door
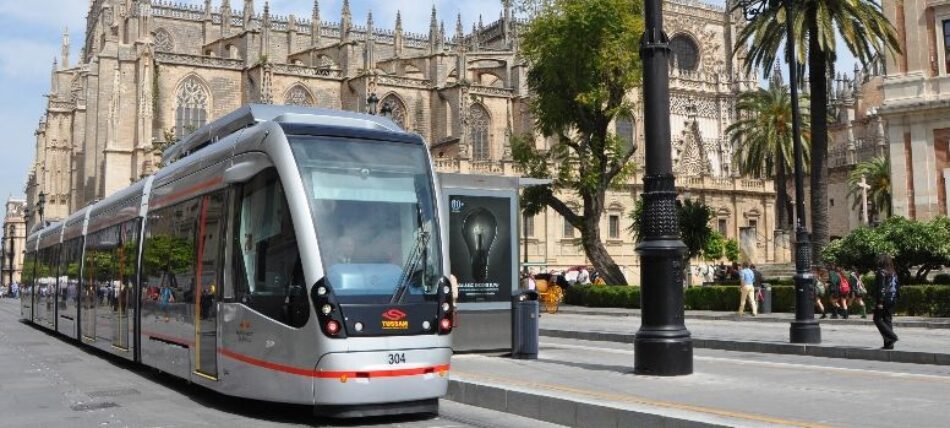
211, 228
126, 260
87, 314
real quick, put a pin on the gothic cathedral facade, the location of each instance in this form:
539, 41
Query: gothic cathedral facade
151, 71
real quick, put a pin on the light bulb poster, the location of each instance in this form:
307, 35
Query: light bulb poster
480, 236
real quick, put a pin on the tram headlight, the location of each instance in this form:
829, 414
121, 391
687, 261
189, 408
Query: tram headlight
326, 309
445, 306
446, 290
358, 326
426, 325
321, 291
332, 327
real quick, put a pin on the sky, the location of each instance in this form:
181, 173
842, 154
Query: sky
31, 34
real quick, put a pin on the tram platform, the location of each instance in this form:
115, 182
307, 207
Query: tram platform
745, 374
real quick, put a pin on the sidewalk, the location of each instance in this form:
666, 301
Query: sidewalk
851, 339
590, 384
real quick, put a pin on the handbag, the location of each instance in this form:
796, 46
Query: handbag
759, 296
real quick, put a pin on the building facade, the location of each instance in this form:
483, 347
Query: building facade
917, 108
14, 240
151, 71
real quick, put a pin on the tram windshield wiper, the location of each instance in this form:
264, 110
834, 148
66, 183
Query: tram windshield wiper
409, 269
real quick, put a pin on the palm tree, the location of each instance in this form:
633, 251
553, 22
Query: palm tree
763, 138
877, 174
866, 33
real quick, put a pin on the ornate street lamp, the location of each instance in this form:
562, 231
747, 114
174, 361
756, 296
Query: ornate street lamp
387, 110
804, 328
371, 102
40, 206
663, 346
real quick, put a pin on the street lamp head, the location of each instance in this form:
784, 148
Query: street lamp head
387, 110
753, 8
371, 102
41, 199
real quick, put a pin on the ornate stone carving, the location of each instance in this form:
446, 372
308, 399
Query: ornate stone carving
397, 109
689, 153
163, 41
298, 96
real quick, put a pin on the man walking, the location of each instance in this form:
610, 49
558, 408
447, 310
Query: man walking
747, 290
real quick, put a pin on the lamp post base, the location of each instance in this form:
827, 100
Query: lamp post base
805, 331
664, 354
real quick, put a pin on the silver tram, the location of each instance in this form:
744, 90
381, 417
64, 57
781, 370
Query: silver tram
284, 254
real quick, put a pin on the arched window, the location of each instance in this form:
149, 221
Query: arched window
627, 132
685, 52
191, 112
163, 41
478, 125
299, 96
394, 107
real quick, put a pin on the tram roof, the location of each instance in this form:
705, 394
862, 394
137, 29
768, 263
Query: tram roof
252, 114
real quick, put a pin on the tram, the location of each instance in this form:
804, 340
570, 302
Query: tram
284, 253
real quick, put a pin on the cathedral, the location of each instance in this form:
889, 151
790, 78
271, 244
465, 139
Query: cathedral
151, 71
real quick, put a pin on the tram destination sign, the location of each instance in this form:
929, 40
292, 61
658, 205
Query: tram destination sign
480, 240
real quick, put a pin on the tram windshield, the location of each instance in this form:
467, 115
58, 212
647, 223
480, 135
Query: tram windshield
373, 208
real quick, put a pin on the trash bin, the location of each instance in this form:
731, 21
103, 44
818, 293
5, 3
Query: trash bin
524, 325
765, 306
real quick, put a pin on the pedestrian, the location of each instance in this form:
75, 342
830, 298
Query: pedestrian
888, 293
858, 291
844, 291
15, 290
818, 288
834, 291
747, 289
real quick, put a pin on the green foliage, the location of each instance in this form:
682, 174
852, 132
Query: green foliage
942, 279
923, 246
732, 250
166, 253
763, 134
584, 58
877, 174
694, 218
715, 246
610, 296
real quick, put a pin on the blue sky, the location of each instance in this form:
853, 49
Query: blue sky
31, 32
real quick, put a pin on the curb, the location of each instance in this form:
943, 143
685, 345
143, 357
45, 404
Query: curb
733, 317
569, 412
845, 352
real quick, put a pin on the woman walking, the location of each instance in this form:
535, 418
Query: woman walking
887, 285
858, 291
819, 291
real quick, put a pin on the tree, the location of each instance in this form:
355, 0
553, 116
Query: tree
732, 250
877, 174
763, 138
916, 247
715, 246
694, 218
866, 33
584, 58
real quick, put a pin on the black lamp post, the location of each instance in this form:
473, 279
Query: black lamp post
663, 345
371, 102
27, 218
804, 329
40, 206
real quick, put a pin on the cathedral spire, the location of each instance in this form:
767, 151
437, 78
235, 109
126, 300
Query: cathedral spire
265, 31
370, 60
459, 31
316, 27
434, 44
64, 50
346, 22
397, 36
248, 13
777, 75
225, 18
474, 38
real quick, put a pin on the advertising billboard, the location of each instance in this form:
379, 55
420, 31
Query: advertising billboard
480, 241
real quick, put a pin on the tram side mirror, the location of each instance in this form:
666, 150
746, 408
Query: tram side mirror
246, 169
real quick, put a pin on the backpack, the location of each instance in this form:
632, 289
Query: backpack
891, 290
859, 289
844, 288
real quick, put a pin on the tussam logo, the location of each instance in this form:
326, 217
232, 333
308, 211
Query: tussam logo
457, 205
394, 320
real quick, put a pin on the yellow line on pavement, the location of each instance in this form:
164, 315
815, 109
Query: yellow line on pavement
632, 399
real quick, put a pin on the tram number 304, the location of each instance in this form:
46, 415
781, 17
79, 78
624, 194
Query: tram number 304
397, 358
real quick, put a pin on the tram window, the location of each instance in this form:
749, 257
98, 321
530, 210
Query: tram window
169, 254
266, 259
